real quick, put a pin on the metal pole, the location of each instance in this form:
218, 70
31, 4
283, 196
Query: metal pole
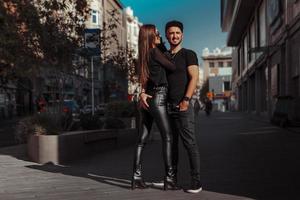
93, 102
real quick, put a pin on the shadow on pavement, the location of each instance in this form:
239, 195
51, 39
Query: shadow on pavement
16, 151
248, 158
122, 182
238, 157
113, 168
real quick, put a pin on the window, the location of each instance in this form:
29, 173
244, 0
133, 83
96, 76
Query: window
252, 41
262, 25
221, 64
245, 53
229, 64
211, 64
240, 58
240, 68
227, 86
94, 17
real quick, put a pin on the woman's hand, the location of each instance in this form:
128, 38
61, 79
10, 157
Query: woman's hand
143, 100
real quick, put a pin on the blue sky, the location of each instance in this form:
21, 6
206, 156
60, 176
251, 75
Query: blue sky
201, 20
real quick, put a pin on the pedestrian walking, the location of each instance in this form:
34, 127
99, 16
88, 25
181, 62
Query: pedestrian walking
208, 106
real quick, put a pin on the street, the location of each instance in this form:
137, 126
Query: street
241, 158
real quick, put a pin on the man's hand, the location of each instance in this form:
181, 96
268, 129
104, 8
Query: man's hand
143, 100
183, 106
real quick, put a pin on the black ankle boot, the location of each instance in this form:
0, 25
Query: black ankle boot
138, 183
137, 180
170, 181
170, 184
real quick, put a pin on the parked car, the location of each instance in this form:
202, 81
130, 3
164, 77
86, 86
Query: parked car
99, 109
71, 106
86, 109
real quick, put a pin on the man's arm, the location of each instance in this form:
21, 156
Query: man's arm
193, 72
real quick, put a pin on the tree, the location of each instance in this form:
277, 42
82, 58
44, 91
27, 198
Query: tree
39, 33
114, 54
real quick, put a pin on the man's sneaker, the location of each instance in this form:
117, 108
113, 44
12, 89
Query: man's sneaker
196, 187
159, 184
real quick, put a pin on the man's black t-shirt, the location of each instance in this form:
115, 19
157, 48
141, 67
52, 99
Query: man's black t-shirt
178, 80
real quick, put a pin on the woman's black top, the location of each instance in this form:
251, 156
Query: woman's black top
158, 64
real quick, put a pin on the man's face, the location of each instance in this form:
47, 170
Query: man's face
174, 35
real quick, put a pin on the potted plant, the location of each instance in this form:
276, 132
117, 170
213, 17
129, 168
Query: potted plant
41, 132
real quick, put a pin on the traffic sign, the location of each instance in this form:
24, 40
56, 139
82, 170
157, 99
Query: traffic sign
92, 41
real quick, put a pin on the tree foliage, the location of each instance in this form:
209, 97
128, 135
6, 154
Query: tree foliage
39, 33
113, 51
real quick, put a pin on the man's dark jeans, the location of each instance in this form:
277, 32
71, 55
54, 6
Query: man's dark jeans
183, 126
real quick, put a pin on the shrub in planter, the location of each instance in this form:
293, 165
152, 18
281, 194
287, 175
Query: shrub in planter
39, 124
114, 123
120, 109
90, 122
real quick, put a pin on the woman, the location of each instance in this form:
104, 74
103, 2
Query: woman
153, 66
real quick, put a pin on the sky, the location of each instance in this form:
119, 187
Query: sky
201, 19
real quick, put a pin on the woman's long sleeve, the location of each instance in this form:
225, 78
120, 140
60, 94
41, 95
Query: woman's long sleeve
163, 60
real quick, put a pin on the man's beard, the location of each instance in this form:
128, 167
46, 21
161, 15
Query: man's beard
175, 45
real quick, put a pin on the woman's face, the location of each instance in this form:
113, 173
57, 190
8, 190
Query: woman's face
157, 37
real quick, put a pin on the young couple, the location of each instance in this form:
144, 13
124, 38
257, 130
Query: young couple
168, 81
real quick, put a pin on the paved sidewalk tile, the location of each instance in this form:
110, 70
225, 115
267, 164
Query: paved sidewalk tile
240, 159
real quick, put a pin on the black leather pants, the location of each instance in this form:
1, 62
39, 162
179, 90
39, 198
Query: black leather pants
157, 112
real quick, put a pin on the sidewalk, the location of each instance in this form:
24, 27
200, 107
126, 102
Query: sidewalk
240, 159
265, 119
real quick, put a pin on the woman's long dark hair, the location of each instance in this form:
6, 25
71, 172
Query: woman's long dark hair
146, 40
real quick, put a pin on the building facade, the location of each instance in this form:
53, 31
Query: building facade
133, 27
109, 82
217, 67
217, 62
265, 35
199, 83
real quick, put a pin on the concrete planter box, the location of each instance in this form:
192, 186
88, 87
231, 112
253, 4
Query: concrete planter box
43, 148
70, 146
130, 122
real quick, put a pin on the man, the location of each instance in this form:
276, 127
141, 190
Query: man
208, 106
181, 85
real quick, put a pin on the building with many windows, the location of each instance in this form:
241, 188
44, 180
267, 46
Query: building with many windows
109, 83
133, 27
218, 62
217, 67
265, 35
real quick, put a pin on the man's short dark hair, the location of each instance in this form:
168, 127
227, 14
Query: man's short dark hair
174, 23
